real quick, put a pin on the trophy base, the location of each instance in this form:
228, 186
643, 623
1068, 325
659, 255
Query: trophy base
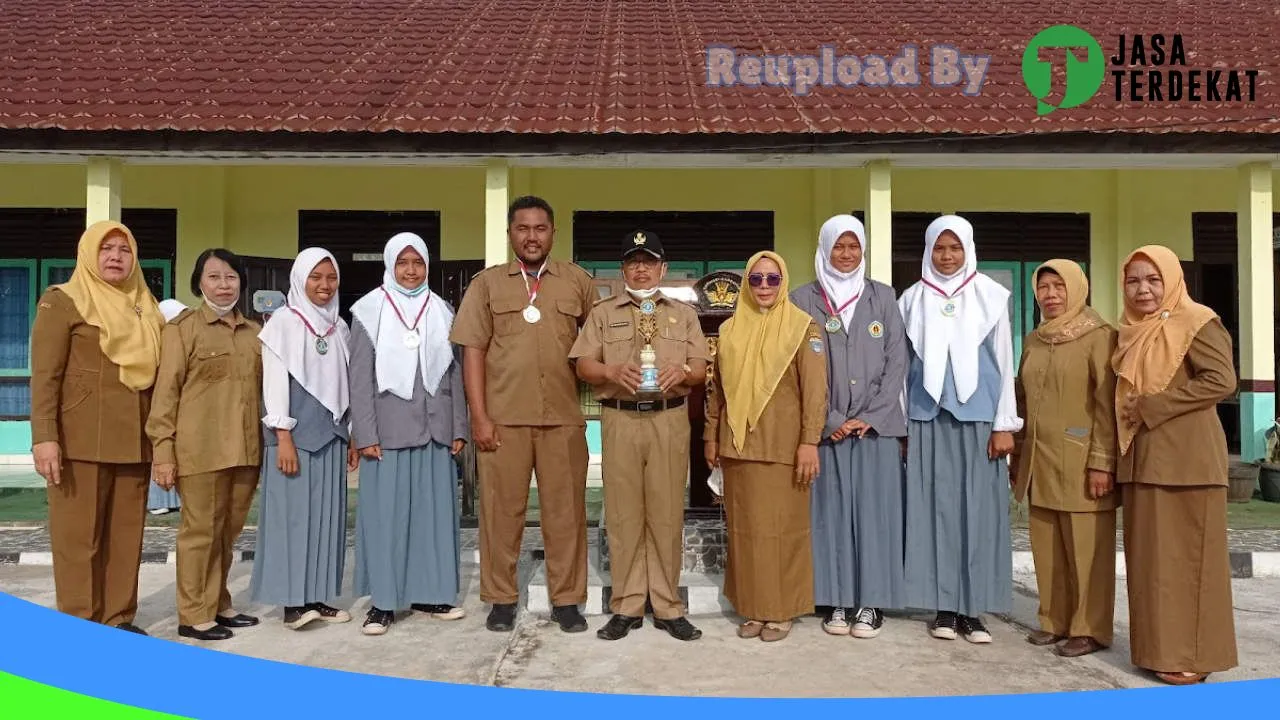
644, 394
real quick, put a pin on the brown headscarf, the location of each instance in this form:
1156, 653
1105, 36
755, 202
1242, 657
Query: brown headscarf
1152, 347
1078, 318
127, 316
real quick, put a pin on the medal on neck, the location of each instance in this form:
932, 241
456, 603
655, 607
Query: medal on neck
949, 307
411, 338
322, 341
833, 323
532, 314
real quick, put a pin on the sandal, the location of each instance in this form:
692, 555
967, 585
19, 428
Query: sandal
1177, 678
750, 629
775, 631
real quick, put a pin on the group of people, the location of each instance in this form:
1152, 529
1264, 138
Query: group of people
868, 443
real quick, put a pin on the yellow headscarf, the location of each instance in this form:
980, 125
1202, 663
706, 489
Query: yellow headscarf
1078, 318
127, 316
755, 348
1151, 348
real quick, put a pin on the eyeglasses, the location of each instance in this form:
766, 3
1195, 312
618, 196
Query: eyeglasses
756, 279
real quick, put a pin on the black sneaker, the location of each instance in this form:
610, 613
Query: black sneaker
973, 630
440, 612
130, 627
377, 622
502, 618
618, 627
867, 623
944, 626
330, 614
570, 620
297, 617
679, 628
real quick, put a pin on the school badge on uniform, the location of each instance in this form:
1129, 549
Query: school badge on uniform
875, 329
815, 344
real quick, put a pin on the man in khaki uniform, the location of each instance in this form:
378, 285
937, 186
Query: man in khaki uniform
516, 324
645, 435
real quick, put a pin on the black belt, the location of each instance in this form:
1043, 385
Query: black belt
646, 406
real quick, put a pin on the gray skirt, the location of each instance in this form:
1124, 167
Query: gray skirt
302, 528
858, 520
161, 499
958, 554
407, 529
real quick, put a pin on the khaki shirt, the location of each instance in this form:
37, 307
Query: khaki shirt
1067, 394
1181, 442
77, 399
528, 376
208, 393
795, 414
612, 336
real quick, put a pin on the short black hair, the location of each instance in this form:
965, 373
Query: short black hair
225, 256
530, 202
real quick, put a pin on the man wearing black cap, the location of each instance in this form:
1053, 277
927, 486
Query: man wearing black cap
642, 352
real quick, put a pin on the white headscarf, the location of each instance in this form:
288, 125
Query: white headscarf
171, 309
324, 377
979, 300
395, 364
840, 287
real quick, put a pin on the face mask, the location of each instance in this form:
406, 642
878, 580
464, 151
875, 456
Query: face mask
218, 309
412, 293
642, 294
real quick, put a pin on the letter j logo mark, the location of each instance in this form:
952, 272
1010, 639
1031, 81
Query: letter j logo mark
1083, 75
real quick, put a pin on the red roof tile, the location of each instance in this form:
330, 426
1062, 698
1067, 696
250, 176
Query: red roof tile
580, 66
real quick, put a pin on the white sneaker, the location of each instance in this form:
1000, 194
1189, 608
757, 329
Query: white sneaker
836, 624
868, 623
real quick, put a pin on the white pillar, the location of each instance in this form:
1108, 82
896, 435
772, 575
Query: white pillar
879, 216
1257, 309
102, 201
497, 197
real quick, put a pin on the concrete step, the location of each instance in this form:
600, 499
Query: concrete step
700, 592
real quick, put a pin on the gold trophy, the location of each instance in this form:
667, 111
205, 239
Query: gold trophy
648, 326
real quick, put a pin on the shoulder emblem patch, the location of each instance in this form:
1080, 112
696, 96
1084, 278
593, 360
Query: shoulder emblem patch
815, 344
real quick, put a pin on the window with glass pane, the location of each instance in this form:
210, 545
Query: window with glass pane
156, 280
15, 316
15, 399
58, 274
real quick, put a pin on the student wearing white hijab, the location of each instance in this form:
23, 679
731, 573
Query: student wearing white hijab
408, 420
857, 512
302, 533
961, 413
159, 500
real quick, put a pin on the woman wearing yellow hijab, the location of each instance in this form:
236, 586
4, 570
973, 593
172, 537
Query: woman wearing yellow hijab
765, 415
1174, 365
1065, 461
95, 347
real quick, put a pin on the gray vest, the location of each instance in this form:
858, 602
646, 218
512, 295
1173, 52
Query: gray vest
315, 428
981, 407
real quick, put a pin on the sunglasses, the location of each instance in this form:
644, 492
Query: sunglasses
756, 279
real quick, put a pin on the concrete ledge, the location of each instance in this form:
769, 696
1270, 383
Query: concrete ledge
702, 594
169, 558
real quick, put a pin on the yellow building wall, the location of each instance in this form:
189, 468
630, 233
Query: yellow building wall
253, 209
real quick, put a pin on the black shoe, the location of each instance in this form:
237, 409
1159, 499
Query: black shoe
130, 627
570, 620
295, 618
678, 628
236, 621
330, 614
944, 626
377, 622
618, 627
973, 630
502, 618
217, 632
440, 612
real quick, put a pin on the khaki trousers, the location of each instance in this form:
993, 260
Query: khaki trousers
646, 467
96, 518
1075, 559
214, 508
558, 454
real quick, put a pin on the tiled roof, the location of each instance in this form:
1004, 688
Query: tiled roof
580, 66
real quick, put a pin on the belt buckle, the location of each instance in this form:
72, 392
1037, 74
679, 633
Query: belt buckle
646, 405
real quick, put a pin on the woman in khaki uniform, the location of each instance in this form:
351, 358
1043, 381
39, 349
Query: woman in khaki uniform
1065, 462
95, 347
1174, 365
204, 428
771, 391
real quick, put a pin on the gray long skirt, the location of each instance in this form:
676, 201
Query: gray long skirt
958, 554
858, 524
160, 499
302, 528
407, 529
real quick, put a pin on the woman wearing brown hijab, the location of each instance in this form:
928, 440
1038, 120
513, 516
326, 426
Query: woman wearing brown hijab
765, 416
1066, 460
1174, 365
95, 347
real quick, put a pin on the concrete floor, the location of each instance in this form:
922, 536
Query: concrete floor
903, 661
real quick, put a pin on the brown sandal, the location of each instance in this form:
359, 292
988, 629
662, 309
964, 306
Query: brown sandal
750, 629
1177, 678
775, 631
1042, 638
